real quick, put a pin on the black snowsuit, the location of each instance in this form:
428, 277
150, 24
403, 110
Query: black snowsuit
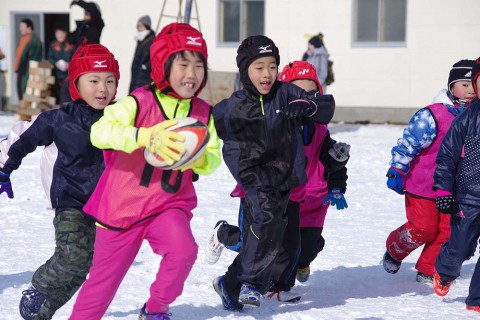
284, 270
264, 152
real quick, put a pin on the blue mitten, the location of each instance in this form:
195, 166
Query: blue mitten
5, 184
336, 198
395, 180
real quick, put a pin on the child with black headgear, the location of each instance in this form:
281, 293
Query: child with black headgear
458, 196
263, 149
411, 173
308, 204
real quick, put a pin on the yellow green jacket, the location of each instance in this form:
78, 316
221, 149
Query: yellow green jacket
116, 130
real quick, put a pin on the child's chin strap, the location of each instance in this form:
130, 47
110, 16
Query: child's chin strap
456, 101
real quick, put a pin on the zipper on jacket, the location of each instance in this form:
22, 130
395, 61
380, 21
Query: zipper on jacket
261, 105
265, 126
268, 138
176, 108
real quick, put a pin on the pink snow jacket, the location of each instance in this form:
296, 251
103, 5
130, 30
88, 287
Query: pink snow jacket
419, 180
130, 190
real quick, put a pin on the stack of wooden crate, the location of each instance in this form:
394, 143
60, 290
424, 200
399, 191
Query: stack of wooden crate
38, 94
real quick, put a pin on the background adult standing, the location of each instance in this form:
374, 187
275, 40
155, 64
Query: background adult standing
29, 48
90, 28
141, 64
60, 54
317, 55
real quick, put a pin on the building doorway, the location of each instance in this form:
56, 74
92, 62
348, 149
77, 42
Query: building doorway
44, 24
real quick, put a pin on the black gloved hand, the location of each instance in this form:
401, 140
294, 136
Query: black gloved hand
446, 204
299, 108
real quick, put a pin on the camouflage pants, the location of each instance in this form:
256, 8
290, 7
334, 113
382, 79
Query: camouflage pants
63, 274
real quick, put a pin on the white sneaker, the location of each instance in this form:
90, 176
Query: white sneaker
284, 296
214, 247
249, 295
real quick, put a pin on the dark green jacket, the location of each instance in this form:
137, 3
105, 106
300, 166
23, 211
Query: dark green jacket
60, 51
32, 51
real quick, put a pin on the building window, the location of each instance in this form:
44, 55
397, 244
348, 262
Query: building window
379, 22
239, 19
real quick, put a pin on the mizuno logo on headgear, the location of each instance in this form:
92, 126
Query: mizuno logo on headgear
193, 41
99, 64
265, 49
304, 71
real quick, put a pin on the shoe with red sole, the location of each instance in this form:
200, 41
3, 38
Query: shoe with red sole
473, 308
439, 286
284, 296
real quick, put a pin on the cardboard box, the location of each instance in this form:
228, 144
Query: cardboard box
40, 64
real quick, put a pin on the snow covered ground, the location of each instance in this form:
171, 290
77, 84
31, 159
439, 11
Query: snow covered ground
347, 282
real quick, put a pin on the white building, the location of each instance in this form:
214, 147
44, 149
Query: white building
390, 56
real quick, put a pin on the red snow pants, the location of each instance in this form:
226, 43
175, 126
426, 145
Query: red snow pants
425, 226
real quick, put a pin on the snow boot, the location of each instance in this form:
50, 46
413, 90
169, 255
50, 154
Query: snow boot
303, 274
284, 296
473, 308
424, 278
439, 286
214, 247
31, 302
227, 302
250, 295
144, 315
390, 264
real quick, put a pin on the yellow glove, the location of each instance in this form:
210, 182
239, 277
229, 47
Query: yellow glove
200, 162
162, 142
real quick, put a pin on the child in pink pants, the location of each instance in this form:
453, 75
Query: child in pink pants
135, 201
168, 234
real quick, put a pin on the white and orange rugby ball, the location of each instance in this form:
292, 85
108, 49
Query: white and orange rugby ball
196, 139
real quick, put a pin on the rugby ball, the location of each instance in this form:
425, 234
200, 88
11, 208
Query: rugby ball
196, 139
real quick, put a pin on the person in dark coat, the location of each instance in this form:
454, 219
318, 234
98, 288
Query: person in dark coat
141, 64
263, 149
90, 28
458, 194
29, 49
60, 53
